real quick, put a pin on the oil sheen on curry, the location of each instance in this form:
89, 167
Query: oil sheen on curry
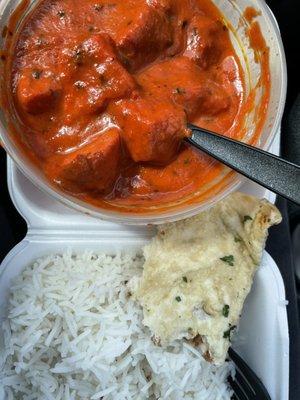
103, 91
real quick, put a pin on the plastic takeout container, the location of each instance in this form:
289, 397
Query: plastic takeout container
262, 339
233, 11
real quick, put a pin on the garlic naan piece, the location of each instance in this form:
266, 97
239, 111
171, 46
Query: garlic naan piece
198, 272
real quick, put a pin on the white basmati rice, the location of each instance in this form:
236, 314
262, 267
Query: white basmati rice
74, 332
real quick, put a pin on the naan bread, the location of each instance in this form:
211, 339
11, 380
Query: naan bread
198, 272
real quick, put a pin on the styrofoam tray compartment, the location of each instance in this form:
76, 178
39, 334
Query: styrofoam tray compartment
263, 339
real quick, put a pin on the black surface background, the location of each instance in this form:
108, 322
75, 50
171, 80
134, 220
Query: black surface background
279, 244
13, 227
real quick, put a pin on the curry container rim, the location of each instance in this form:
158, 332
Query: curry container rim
187, 211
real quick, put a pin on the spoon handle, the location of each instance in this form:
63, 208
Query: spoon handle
272, 172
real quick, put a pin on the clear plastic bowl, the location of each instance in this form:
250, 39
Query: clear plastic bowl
233, 11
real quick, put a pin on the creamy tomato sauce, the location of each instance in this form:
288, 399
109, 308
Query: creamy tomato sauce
103, 91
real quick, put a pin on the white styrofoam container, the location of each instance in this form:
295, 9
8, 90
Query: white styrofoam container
262, 340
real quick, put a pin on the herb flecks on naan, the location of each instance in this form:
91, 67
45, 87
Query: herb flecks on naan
198, 272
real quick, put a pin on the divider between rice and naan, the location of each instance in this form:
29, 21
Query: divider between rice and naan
96, 326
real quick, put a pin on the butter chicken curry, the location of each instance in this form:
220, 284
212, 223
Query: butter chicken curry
103, 90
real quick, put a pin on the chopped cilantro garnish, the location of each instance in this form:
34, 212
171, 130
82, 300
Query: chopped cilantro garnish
225, 310
227, 334
36, 74
237, 239
61, 14
247, 218
98, 7
184, 278
79, 84
228, 259
179, 90
178, 298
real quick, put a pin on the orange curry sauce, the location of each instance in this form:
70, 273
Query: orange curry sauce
103, 89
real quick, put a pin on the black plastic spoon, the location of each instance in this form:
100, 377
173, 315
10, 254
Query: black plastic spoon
272, 172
